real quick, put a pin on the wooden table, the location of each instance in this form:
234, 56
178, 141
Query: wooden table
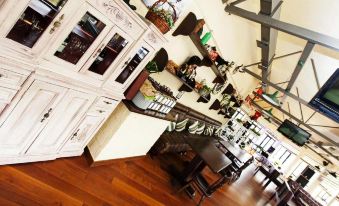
235, 150
207, 153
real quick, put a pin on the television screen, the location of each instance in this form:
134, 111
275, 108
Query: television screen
293, 132
326, 100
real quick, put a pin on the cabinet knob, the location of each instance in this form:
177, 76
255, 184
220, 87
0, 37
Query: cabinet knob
46, 115
75, 134
107, 102
57, 24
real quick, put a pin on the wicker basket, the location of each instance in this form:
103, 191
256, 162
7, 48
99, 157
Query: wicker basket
157, 20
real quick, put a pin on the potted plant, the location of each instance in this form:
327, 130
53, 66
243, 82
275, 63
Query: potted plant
205, 90
152, 67
161, 18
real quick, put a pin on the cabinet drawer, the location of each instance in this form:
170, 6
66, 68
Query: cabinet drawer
106, 103
6, 95
11, 79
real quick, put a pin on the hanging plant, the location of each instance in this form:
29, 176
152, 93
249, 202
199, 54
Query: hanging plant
152, 67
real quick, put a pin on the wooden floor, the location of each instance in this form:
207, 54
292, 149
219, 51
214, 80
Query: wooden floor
144, 181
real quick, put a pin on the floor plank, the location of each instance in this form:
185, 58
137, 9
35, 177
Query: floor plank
141, 182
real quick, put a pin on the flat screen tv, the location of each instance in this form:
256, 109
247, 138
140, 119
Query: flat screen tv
294, 133
326, 101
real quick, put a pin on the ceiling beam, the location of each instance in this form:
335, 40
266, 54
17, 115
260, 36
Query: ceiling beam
319, 145
299, 121
275, 58
303, 58
306, 34
302, 101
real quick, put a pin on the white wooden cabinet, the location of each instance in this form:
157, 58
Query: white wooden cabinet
29, 117
88, 126
30, 24
64, 66
67, 115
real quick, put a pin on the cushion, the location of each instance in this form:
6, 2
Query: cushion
193, 128
200, 129
171, 127
181, 126
209, 131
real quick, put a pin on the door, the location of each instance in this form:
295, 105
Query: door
29, 117
33, 21
80, 38
67, 115
132, 65
83, 133
106, 56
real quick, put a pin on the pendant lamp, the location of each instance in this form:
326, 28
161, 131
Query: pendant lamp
272, 98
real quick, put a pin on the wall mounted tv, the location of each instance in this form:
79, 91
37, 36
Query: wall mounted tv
326, 101
294, 133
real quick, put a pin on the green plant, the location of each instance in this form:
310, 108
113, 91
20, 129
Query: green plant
165, 15
152, 67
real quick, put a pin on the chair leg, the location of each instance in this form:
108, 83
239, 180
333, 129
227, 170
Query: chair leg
201, 199
182, 188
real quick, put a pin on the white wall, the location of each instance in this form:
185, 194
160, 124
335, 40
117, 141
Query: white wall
236, 42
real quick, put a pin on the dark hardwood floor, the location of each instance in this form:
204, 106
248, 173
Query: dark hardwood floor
71, 181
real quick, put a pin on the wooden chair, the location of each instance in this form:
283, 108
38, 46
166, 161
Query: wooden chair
204, 188
282, 195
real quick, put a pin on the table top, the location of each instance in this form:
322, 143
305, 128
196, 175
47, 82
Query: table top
206, 148
237, 152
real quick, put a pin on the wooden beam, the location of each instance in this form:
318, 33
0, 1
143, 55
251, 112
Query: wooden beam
308, 35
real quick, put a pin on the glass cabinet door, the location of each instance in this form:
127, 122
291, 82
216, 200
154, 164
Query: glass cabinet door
131, 65
112, 48
34, 21
80, 39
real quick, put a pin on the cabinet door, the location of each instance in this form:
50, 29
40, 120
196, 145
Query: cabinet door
106, 56
80, 38
134, 63
29, 117
67, 115
83, 133
31, 21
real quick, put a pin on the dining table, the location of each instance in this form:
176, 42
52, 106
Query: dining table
206, 154
240, 154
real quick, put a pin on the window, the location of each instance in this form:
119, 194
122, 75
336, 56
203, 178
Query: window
239, 114
282, 154
298, 170
323, 197
266, 142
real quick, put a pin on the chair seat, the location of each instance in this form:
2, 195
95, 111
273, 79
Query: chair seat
202, 184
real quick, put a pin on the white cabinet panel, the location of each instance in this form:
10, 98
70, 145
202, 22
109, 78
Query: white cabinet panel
29, 117
82, 135
6, 95
67, 115
11, 79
